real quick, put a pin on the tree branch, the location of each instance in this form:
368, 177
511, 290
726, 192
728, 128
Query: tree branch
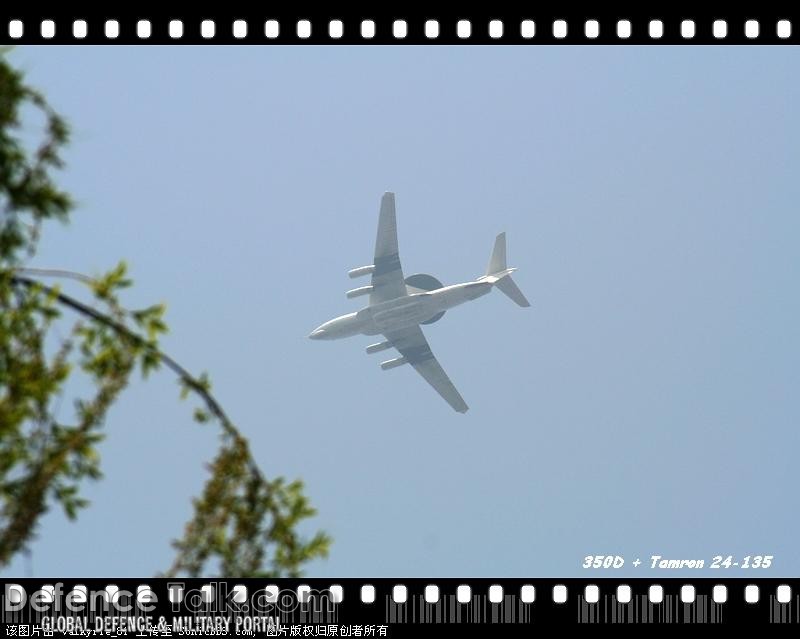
188, 379
56, 272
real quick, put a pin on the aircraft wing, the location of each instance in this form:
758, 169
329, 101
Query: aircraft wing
414, 347
387, 278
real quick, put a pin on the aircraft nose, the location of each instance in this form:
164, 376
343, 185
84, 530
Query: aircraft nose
317, 333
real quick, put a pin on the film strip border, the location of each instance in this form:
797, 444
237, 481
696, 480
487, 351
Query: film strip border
333, 29
398, 606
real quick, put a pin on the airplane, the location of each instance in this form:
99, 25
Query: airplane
398, 306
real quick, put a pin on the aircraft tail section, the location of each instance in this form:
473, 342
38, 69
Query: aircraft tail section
498, 273
510, 288
497, 262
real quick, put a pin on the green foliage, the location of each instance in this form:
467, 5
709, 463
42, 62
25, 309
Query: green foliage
240, 515
243, 523
26, 186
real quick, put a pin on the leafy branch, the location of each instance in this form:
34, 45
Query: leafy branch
243, 523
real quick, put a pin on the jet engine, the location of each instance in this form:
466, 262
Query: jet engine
380, 346
393, 363
361, 270
421, 283
356, 292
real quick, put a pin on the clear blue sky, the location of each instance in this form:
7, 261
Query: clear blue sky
646, 404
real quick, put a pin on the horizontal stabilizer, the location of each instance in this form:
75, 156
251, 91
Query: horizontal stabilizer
509, 287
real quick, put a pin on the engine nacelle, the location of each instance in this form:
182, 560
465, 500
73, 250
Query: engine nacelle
393, 363
376, 348
361, 270
357, 292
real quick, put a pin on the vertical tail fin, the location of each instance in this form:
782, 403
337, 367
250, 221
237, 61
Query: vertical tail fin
500, 275
497, 262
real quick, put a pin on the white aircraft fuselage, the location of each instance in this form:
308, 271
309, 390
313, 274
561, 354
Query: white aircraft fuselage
398, 305
401, 312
